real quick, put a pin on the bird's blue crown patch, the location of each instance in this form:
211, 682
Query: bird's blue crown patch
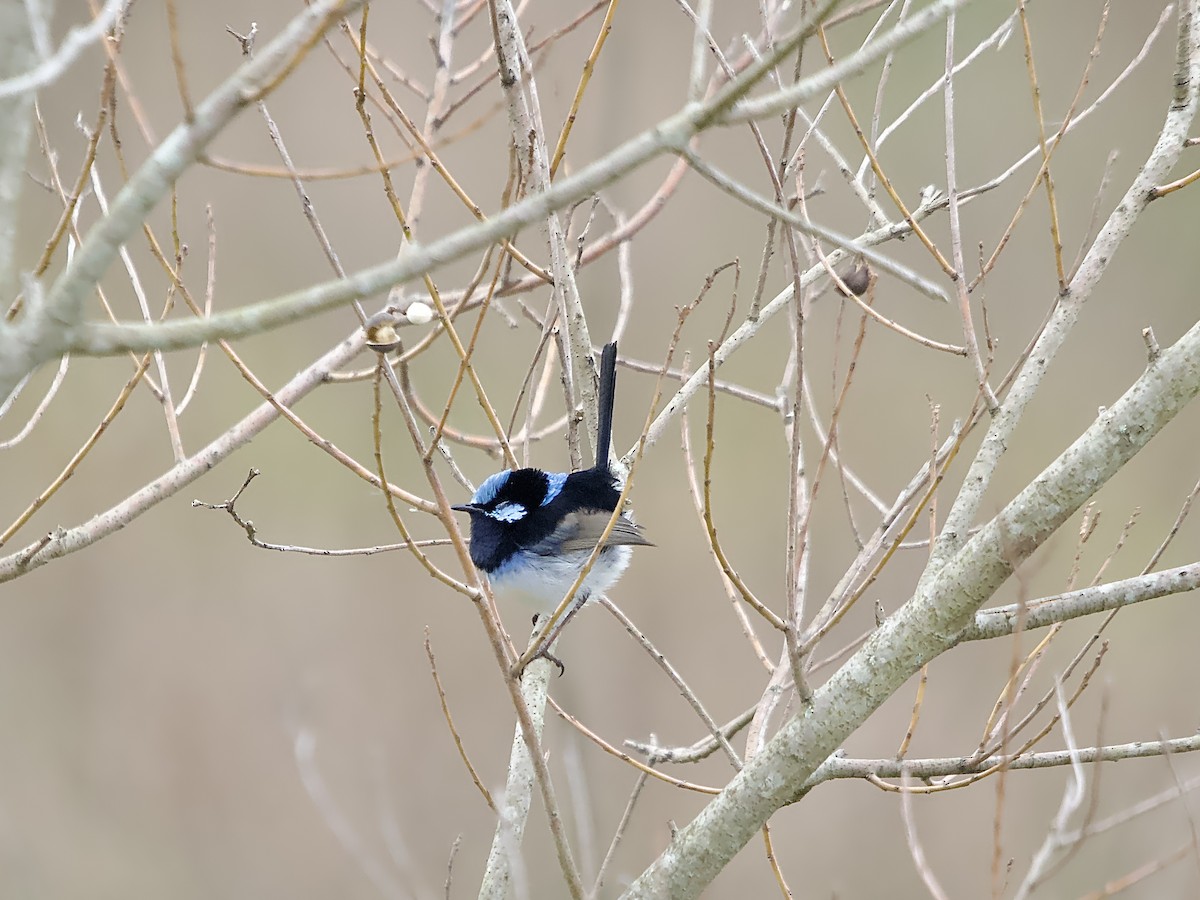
554, 485
487, 491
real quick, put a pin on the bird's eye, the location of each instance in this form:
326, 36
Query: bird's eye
508, 512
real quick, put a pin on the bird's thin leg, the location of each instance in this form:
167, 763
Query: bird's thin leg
543, 651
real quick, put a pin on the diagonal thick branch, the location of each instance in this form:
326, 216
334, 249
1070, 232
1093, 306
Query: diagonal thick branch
1162, 159
938, 617
44, 337
53, 324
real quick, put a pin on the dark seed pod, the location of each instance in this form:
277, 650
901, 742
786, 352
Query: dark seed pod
856, 278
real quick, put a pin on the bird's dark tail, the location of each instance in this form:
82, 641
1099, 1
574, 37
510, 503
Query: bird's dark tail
608, 392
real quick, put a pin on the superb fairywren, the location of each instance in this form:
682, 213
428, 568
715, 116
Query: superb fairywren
532, 531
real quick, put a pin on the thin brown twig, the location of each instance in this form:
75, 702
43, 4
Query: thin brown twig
698, 505
458, 742
1173, 530
1047, 153
72, 465
710, 528
585, 78
177, 61
645, 768
878, 169
210, 289
431, 155
389, 501
1139, 874
1047, 178
959, 275
447, 323
915, 850
1177, 185
230, 506
1072, 121
1093, 225
773, 862
1072, 848
164, 394
1193, 830
622, 825
1120, 542
1048, 696
902, 751
1005, 702
672, 673
40, 410
66, 218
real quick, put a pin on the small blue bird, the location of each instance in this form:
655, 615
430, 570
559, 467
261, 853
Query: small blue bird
532, 531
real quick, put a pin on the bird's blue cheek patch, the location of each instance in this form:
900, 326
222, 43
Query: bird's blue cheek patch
554, 486
509, 512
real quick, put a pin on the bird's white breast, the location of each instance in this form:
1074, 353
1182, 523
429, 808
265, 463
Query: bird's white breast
541, 581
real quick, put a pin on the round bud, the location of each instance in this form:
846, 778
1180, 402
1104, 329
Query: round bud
419, 313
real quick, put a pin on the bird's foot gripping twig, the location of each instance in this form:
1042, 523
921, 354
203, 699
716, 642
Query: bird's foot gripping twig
544, 645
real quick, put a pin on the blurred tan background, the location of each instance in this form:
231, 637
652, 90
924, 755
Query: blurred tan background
152, 687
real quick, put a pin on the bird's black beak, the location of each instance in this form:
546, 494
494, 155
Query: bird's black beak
466, 507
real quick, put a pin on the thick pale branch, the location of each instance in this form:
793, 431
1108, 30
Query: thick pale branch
53, 325
67, 540
933, 621
1166, 152
1002, 620
77, 40
843, 767
518, 790
794, 94
671, 134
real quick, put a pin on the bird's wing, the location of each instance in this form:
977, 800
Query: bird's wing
581, 530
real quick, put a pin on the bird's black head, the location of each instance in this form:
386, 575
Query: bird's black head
509, 511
